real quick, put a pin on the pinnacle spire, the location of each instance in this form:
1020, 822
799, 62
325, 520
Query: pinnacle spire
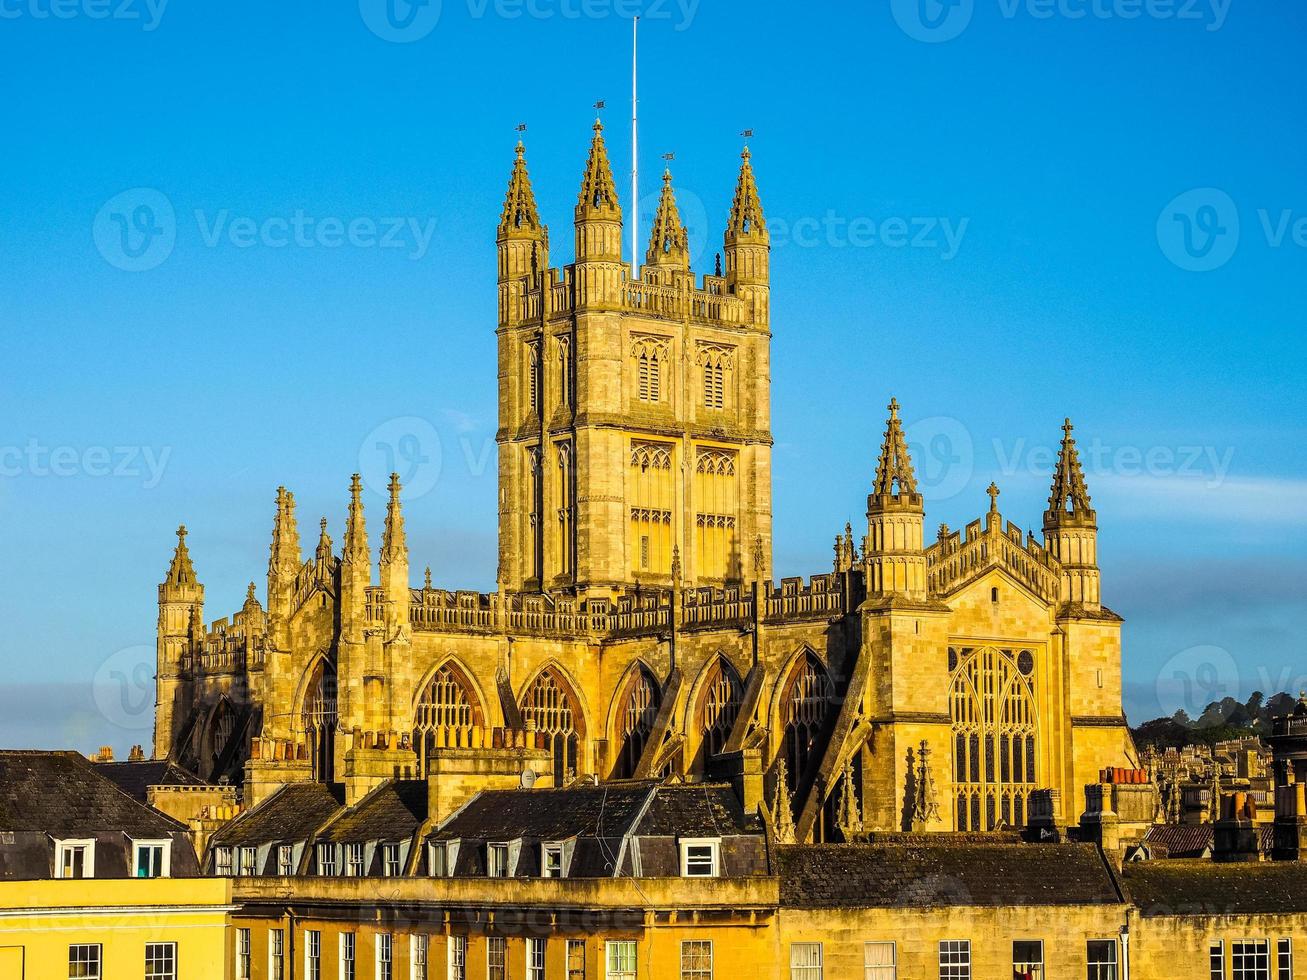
356, 528
284, 559
669, 242
181, 572
1068, 503
894, 475
324, 542
520, 215
746, 219
598, 197
394, 545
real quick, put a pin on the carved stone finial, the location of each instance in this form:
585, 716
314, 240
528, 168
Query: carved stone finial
426, 584
993, 492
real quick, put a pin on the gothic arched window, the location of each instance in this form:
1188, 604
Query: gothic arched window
992, 703
805, 708
447, 712
719, 707
635, 721
319, 719
552, 708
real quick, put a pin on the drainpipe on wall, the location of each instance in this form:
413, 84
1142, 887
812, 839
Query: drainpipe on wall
1125, 952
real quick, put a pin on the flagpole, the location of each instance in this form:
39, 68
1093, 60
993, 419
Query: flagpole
635, 151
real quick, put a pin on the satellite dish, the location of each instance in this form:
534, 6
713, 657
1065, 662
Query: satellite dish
529, 778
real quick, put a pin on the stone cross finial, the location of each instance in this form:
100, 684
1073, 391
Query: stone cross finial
1067, 427
993, 492
894, 408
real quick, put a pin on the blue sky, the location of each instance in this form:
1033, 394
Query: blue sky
1002, 212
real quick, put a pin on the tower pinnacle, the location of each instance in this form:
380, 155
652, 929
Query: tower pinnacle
181, 572
356, 529
520, 216
394, 546
598, 197
1068, 502
669, 241
895, 480
747, 221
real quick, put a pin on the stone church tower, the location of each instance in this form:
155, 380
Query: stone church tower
637, 631
634, 413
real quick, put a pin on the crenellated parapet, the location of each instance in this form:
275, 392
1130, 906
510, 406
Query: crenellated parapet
959, 557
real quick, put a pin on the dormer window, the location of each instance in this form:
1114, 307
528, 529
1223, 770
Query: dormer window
390, 865
222, 862
247, 862
440, 859
286, 860
75, 859
151, 858
700, 858
496, 860
327, 860
551, 861
353, 860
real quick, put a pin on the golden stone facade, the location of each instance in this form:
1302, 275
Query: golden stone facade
637, 630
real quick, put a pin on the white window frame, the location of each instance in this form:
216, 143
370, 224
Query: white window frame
276, 954
165, 856
63, 847
448, 851
536, 949
222, 858
349, 965
1040, 964
286, 860
354, 860
312, 954
811, 968
553, 847
876, 971
1116, 959
1283, 951
247, 868
568, 947
419, 956
99, 959
494, 850
385, 956
172, 958
456, 958
1216, 959
1257, 945
697, 974
244, 955
391, 869
327, 869
499, 944
714, 845
952, 948
621, 946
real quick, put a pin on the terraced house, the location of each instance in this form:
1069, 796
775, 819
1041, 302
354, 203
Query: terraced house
637, 630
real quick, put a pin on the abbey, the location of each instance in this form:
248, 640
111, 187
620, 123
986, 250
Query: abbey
637, 630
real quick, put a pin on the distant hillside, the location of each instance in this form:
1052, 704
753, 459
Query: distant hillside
1221, 721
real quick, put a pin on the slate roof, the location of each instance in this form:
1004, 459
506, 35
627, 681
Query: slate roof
548, 814
696, 811
392, 812
1190, 840
943, 873
293, 813
1208, 888
64, 795
134, 778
